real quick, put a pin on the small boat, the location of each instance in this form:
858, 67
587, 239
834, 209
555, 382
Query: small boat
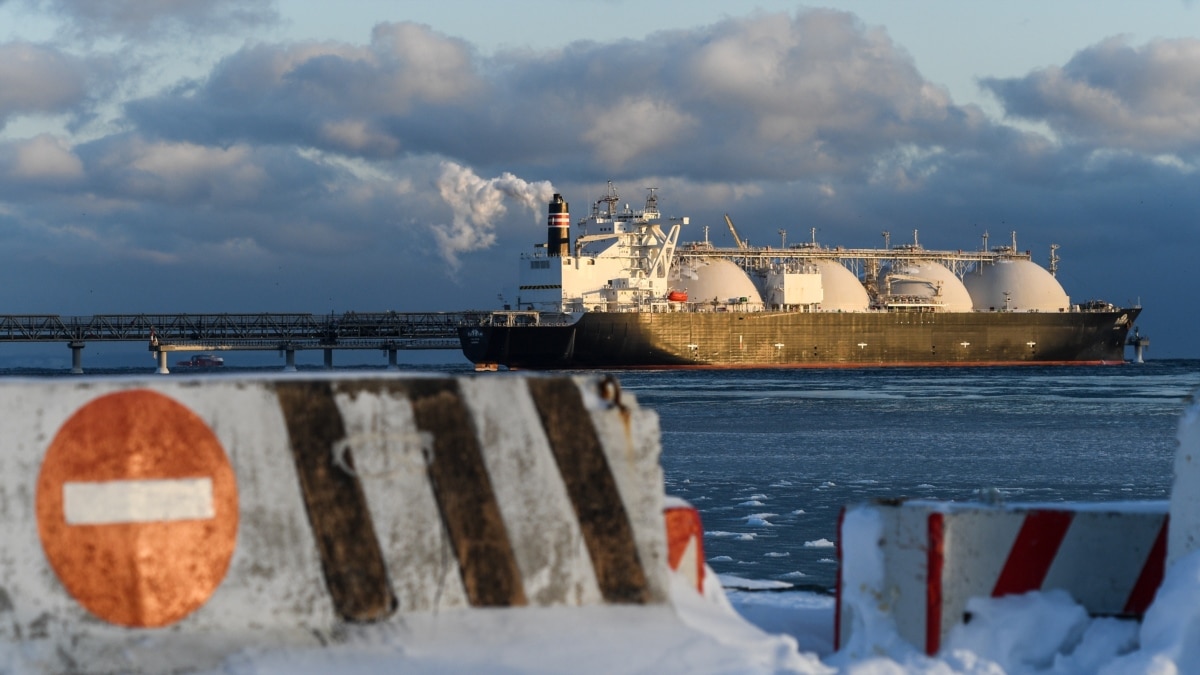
677, 296
202, 361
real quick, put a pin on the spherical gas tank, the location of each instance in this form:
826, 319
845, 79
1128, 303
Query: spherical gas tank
930, 280
707, 279
843, 291
1029, 287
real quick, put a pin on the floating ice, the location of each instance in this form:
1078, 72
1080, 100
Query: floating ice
731, 581
739, 536
760, 519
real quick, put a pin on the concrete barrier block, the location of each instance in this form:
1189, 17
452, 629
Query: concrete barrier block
158, 524
1185, 492
933, 556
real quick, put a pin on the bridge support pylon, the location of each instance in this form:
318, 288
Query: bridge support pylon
161, 357
289, 363
76, 357
391, 352
328, 359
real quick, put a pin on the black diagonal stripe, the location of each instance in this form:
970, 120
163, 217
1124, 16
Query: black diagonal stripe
355, 571
592, 488
465, 496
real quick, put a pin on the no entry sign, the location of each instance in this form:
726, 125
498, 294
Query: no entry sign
137, 508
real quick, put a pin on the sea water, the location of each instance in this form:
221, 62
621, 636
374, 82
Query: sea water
770, 457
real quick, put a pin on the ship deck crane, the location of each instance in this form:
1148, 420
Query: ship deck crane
733, 230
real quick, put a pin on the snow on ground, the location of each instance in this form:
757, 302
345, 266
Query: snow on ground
746, 626
698, 635
782, 632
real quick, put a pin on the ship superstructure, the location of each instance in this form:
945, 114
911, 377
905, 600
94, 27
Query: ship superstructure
620, 262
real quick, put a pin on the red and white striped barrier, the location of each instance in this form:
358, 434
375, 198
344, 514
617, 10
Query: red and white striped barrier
158, 524
1109, 557
685, 541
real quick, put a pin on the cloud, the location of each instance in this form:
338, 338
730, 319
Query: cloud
1114, 95
477, 203
634, 128
35, 79
42, 159
157, 19
771, 96
180, 198
329, 96
136, 169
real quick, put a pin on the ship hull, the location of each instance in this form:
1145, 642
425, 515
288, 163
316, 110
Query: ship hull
600, 340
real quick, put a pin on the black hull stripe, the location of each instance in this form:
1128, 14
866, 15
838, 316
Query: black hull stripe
465, 496
351, 560
592, 489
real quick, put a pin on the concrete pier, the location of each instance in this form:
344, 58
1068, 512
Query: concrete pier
76, 357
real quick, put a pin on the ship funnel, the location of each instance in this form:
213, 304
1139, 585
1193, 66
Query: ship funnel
558, 234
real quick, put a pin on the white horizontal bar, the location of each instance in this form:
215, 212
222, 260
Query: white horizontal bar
137, 501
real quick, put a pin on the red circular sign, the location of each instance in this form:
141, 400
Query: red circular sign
137, 509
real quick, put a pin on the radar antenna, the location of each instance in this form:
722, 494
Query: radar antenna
610, 199
652, 200
1054, 260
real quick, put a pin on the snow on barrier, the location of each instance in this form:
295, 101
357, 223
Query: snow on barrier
153, 525
917, 562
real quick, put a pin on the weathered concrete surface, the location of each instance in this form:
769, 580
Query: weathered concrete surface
357, 499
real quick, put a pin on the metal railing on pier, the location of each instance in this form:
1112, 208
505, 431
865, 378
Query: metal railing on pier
350, 330
288, 333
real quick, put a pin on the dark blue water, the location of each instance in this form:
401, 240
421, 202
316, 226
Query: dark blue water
770, 457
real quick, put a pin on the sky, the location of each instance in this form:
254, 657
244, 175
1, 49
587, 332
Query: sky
281, 156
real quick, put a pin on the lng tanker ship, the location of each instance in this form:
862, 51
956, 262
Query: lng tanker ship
626, 294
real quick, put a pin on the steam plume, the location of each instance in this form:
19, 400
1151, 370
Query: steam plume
477, 203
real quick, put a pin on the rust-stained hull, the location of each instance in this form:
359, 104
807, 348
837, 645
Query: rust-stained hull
803, 339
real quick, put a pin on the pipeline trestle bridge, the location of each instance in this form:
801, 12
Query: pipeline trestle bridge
286, 333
